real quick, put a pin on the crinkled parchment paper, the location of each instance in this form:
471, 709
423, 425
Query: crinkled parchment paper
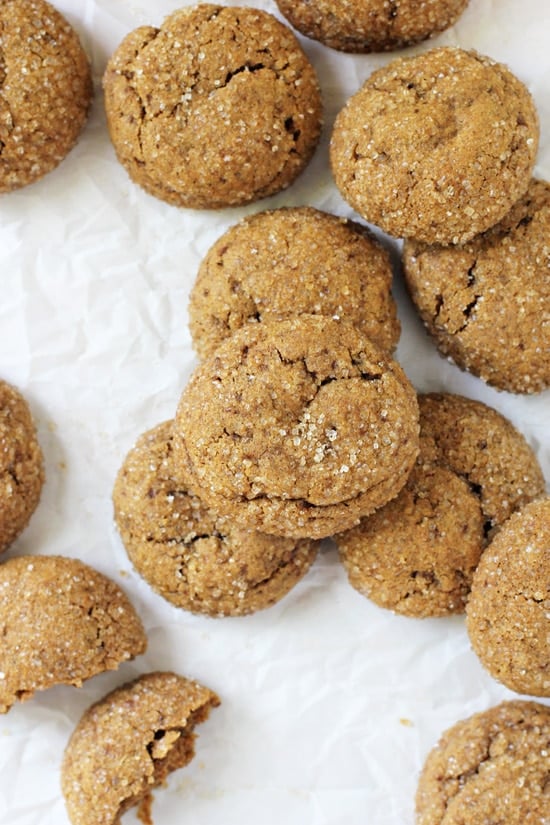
329, 703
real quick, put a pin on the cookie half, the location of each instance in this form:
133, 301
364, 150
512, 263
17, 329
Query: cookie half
288, 261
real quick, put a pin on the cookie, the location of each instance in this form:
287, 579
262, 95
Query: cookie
370, 25
436, 147
45, 91
508, 613
287, 261
61, 622
297, 427
21, 465
191, 556
417, 554
219, 107
127, 743
492, 767
486, 303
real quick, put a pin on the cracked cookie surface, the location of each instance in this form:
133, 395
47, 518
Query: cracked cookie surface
61, 622
218, 107
45, 90
190, 555
287, 261
491, 767
486, 303
509, 607
297, 427
127, 744
21, 465
436, 147
370, 25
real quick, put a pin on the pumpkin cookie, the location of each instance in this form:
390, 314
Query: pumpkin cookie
486, 303
218, 107
297, 427
436, 147
188, 554
127, 744
417, 554
21, 465
61, 622
492, 767
288, 261
508, 613
45, 90
371, 25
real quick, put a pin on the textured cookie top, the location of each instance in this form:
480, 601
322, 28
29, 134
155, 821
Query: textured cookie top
218, 107
492, 767
290, 418
190, 555
61, 622
288, 261
487, 302
21, 465
127, 743
509, 607
436, 147
45, 90
370, 25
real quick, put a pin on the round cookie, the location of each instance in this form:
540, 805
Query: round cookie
436, 147
21, 465
186, 552
287, 261
371, 25
61, 622
508, 612
219, 107
126, 744
417, 554
45, 90
297, 427
492, 767
486, 303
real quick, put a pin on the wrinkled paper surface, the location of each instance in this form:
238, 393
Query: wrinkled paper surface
329, 703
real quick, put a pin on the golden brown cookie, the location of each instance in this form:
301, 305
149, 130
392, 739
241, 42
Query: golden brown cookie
492, 767
126, 744
61, 622
283, 262
486, 303
297, 427
45, 90
417, 554
436, 147
371, 25
508, 612
21, 465
186, 552
218, 107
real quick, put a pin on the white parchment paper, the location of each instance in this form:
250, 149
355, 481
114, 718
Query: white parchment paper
329, 703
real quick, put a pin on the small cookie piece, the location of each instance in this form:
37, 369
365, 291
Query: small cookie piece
508, 612
417, 554
45, 90
126, 744
436, 147
219, 107
363, 26
21, 465
297, 427
287, 261
486, 303
61, 622
186, 552
492, 767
